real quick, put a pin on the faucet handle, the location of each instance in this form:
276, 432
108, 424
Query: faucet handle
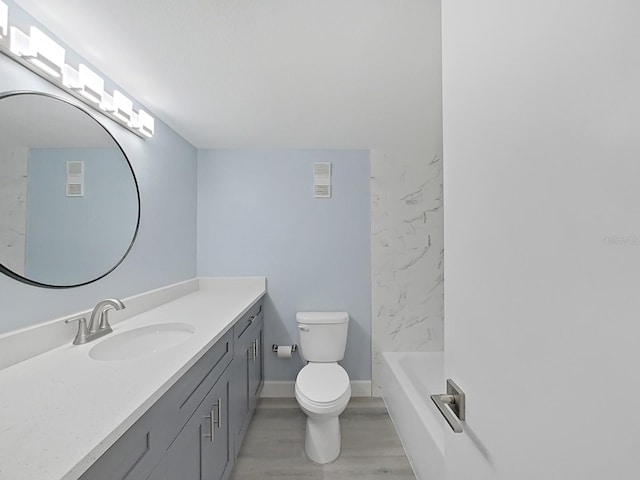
81, 321
104, 320
83, 331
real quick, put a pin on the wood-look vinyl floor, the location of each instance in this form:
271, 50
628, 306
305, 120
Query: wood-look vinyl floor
274, 445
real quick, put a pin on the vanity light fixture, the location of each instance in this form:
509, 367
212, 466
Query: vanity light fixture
70, 77
91, 84
107, 103
38, 49
147, 124
45, 57
19, 42
122, 107
135, 121
84, 81
45, 54
4, 19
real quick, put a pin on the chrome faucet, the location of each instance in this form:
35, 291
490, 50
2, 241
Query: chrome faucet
99, 322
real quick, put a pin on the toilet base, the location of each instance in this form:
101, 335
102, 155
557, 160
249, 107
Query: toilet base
322, 439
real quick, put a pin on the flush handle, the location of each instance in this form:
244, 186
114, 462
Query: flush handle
451, 405
303, 329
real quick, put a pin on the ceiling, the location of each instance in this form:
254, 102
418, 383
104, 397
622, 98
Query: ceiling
264, 73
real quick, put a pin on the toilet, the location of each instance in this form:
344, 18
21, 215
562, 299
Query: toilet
322, 386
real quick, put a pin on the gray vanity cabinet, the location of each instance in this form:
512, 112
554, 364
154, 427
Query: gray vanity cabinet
160, 472
248, 372
191, 432
202, 449
135, 454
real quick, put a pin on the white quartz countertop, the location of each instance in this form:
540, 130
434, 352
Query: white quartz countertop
61, 410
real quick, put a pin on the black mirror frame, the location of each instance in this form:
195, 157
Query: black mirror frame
20, 278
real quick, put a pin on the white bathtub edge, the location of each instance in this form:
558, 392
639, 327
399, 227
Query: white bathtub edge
425, 454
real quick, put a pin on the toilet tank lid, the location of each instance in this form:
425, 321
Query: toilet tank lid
322, 317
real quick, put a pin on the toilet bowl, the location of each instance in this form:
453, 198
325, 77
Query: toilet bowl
323, 392
322, 386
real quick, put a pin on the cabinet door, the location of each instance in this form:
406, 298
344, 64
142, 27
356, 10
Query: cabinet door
136, 453
239, 391
256, 368
201, 450
220, 448
190, 390
160, 472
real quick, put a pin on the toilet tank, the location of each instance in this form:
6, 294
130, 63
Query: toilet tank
323, 335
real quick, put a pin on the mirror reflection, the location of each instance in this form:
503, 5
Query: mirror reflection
69, 203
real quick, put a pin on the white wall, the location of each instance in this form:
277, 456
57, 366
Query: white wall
542, 217
13, 208
406, 210
407, 256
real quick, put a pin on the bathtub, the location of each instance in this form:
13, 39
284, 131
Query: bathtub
407, 381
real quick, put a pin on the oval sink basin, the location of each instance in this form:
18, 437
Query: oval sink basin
142, 341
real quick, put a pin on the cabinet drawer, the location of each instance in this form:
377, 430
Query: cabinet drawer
243, 325
184, 397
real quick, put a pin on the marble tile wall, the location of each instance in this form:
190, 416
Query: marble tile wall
13, 207
407, 254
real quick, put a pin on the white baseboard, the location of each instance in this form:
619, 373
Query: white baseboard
361, 388
275, 389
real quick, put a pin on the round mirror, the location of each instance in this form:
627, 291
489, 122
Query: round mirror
69, 201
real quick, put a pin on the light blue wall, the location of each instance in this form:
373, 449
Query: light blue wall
63, 233
165, 250
257, 216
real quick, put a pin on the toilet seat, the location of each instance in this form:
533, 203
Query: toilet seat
323, 385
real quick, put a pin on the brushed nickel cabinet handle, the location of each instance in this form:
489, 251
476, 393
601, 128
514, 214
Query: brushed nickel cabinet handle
252, 351
217, 422
257, 348
212, 422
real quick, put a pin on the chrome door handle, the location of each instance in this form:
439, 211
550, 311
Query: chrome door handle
451, 405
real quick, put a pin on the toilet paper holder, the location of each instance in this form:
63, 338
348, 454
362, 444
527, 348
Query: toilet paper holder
274, 348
